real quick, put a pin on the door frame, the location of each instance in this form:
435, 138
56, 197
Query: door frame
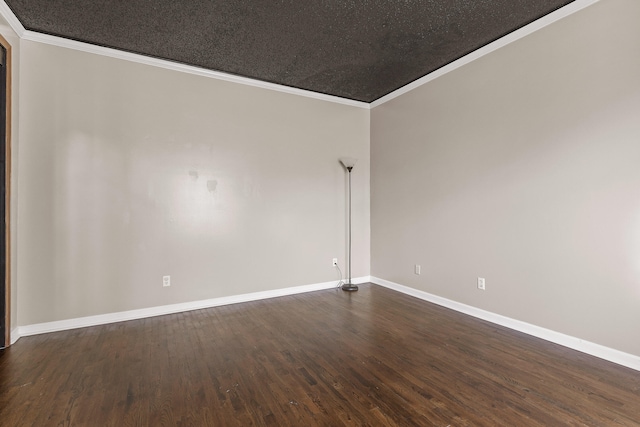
7, 196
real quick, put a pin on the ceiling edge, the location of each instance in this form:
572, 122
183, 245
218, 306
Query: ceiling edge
554, 16
34, 36
557, 15
184, 68
8, 15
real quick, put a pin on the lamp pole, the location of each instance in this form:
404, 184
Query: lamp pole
349, 163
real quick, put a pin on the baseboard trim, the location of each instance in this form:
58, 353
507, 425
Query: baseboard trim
102, 319
15, 335
597, 350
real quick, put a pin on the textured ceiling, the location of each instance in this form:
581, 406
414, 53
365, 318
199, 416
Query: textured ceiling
360, 50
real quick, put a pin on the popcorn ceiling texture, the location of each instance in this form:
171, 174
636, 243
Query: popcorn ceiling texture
360, 50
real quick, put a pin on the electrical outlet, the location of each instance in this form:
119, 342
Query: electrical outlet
166, 281
335, 262
481, 283
417, 269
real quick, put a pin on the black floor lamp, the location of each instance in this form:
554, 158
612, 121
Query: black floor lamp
349, 163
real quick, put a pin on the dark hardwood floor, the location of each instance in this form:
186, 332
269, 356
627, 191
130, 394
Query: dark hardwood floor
327, 358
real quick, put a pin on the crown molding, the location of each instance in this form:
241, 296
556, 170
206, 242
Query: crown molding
11, 19
34, 36
557, 15
188, 69
536, 25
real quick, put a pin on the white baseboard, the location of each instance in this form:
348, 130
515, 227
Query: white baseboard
606, 353
14, 335
101, 319
597, 350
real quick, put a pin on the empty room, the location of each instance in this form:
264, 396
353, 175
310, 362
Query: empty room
363, 213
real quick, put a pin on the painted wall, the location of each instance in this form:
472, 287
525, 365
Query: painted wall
523, 168
13, 39
130, 172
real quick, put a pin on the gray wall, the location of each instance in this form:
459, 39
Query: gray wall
522, 167
129, 172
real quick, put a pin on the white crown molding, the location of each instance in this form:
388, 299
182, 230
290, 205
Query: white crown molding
557, 15
102, 319
563, 12
597, 350
188, 69
11, 19
34, 36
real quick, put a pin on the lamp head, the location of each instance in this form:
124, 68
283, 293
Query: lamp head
348, 162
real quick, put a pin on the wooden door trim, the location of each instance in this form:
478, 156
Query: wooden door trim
7, 205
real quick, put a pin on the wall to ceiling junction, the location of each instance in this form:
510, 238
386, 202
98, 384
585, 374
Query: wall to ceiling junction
522, 168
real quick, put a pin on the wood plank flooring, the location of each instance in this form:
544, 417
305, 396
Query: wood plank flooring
329, 358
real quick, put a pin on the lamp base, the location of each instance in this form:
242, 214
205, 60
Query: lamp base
349, 287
